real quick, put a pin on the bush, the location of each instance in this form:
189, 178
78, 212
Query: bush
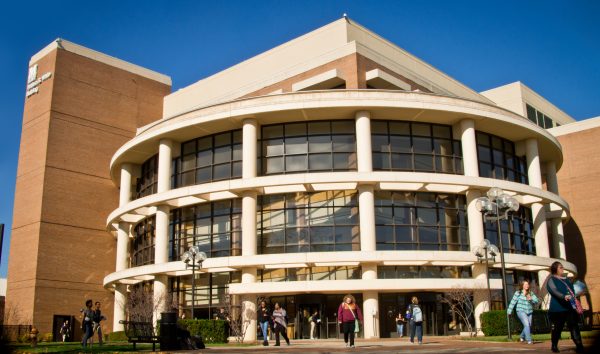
493, 323
212, 331
46, 337
118, 336
24, 338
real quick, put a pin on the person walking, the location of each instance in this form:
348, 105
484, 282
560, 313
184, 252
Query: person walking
264, 318
87, 315
280, 324
314, 322
416, 320
523, 300
562, 307
65, 331
400, 321
97, 318
349, 316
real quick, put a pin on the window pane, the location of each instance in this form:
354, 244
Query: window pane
296, 163
319, 144
319, 162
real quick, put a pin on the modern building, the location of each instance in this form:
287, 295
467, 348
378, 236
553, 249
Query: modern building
335, 163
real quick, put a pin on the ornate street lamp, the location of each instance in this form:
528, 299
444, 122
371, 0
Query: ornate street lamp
487, 252
495, 207
193, 258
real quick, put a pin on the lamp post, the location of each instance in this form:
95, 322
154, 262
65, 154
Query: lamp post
496, 207
193, 258
486, 252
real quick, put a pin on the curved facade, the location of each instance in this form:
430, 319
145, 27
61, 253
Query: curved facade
303, 197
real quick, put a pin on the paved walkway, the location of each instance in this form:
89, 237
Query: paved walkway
431, 345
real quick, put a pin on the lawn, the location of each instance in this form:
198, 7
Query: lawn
536, 337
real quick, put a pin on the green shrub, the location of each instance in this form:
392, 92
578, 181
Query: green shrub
24, 338
46, 337
212, 331
118, 336
493, 323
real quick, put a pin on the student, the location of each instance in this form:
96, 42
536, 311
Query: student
416, 320
348, 314
400, 321
562, 300
96, 318
87, 315
65, 331
524, 300
314, 322
280, 324
264, 318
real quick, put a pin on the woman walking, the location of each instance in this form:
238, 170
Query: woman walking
280, 324
400, 321
416, 320
349, 314
562, 300
87, 315
524, 300
264, 318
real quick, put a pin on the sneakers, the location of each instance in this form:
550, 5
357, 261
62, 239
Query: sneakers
352, 346
347, 345
530, 342
521, 339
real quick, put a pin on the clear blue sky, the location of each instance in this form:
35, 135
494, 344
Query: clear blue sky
551, 46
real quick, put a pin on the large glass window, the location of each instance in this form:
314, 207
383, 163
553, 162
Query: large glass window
308, 222
539, 118
498, 159
517, 232
147, 183
404, 272
216, 227
421, 221
311, 273
308, 147
418, 147
142, 245
211, 158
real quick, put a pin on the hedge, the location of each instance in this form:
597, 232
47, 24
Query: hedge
118, 336
493, 323
212, 331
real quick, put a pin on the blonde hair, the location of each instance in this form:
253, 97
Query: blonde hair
414, 300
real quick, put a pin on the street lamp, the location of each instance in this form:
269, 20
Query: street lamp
193, 258
496, 207
487, 252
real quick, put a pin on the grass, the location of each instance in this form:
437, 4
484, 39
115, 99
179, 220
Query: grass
109, 347
536, 337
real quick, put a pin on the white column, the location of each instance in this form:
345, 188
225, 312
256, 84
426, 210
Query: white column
475, 220
551, 179
469, 147
559, 239
534, 171
249, 223
119, 308
249, 307
160, 295
480, 294
363, 141
125, 186
249, 141
165, 155
370, 307
161, 230
366, 210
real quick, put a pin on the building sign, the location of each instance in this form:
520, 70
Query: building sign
33, 82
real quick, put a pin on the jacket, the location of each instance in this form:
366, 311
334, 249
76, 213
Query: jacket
523, 305
345, 314
558, 290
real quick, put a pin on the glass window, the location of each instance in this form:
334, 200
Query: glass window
517, 232
147, 183
499, 160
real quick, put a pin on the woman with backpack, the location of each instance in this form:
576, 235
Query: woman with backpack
349, 315
416, 320
280, 324
524, 300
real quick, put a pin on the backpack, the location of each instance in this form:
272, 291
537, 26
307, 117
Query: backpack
417, 314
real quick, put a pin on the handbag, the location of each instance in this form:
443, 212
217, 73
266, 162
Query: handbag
575, 303
356, 323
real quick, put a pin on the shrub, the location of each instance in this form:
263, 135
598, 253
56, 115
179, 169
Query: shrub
493, 323
24, 338
46, 337
212, 331
118, 336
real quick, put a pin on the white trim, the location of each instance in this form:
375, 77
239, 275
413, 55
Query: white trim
576, 127
376, 76
321, 81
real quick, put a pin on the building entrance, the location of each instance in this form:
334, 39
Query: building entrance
435, 313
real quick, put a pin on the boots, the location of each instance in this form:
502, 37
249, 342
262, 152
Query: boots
266, 343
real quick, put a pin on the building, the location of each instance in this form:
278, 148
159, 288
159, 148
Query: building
334, 163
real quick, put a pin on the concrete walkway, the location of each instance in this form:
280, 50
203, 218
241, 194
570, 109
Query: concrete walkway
430, 345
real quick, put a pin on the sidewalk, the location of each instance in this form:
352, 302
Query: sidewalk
394, 345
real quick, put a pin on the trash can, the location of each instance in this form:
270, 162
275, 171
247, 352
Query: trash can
168, 331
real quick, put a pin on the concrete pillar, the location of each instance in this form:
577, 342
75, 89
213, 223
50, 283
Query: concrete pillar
161, 230
480, 294
475, 220
363, 141
534, 171
366, 210
125, 186
249, 307
165, 155
370, 306
249, 142
161, 295
469, 147
551, 179
119, 308
249, 223
558, 242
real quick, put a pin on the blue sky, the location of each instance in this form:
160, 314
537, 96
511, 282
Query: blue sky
551, 46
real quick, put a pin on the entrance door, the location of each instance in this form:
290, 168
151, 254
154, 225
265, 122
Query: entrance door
57, 323
305, 311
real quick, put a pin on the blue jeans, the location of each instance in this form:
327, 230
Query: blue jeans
416, 328
400, 329
526, 321
264, 326
88, 332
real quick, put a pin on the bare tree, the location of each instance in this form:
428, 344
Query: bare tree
460, 301
143, 306
238, 316
13, 316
